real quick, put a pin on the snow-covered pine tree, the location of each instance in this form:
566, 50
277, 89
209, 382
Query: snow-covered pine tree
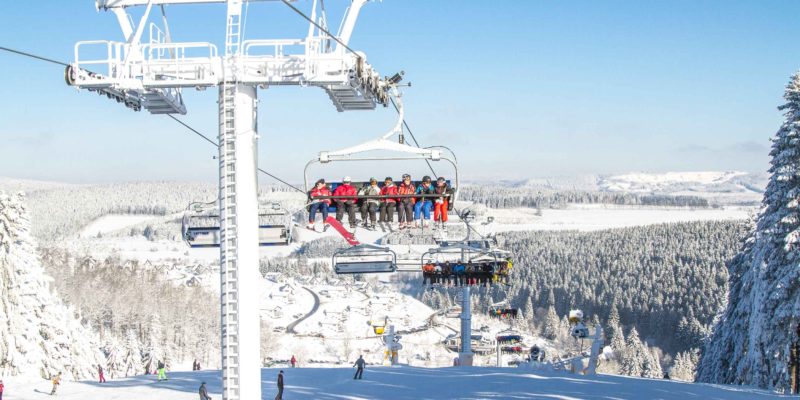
551, 322
615, 334
40, 335
684, 366
132, 356
751, 340
634, 358
114, 357
527, 313
154, 348
651, 368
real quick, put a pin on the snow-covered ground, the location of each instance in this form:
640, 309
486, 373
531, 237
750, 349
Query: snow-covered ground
593, 217
398, 383
114, 222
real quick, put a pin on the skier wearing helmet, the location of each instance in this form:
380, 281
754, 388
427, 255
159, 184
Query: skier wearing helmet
388, 204
349, 203
405, 208
423, 204
440, 204
370, 206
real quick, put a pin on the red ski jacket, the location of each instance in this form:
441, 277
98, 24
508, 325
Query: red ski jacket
407, 189
346, 190
321, 192
389, 190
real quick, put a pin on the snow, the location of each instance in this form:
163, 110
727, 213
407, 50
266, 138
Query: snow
635, 182
399, 383
591, 217
113, 222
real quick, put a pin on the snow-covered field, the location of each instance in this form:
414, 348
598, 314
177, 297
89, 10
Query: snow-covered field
593, 217
397, 383
113, 222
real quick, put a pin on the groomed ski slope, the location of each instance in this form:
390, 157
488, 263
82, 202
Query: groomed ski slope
394, 383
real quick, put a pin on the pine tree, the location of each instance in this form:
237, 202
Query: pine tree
154, 350
40, 335
132, 358
528, 313
651, 368
684, 366
634, 358
615, 335
751, 340
551, 324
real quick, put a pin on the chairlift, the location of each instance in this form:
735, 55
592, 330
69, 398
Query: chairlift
364, 259
502, 310
400, 151
508, 336
378, 325
200, 225
511, 349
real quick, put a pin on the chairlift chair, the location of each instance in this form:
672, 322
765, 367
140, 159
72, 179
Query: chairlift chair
200, 225
508, 336
364, 259
400, 152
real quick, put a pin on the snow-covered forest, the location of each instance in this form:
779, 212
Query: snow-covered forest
664, 282
505, 197
140, 317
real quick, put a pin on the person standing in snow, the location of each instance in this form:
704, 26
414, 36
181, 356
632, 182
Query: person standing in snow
279, 396
360, 367
204, 392
293, 361
1, 389
56, 382
162, 374
100, 374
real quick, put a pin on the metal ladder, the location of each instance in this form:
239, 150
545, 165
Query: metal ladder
228, 213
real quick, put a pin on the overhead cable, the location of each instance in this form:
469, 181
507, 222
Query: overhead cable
195, 131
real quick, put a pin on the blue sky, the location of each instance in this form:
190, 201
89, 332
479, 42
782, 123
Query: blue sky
517, 88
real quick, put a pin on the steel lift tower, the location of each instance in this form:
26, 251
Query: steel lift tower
151, 74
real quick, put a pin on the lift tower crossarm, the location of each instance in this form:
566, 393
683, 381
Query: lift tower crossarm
110, 4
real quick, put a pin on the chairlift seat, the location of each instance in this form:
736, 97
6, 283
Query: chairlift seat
200, 227
364, 259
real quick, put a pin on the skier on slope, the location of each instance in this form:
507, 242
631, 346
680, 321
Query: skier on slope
100, 374
204, 392
162, 374
347, 204
1, 389
279, 396
320, 189
56, 381
293, 361
360, 363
